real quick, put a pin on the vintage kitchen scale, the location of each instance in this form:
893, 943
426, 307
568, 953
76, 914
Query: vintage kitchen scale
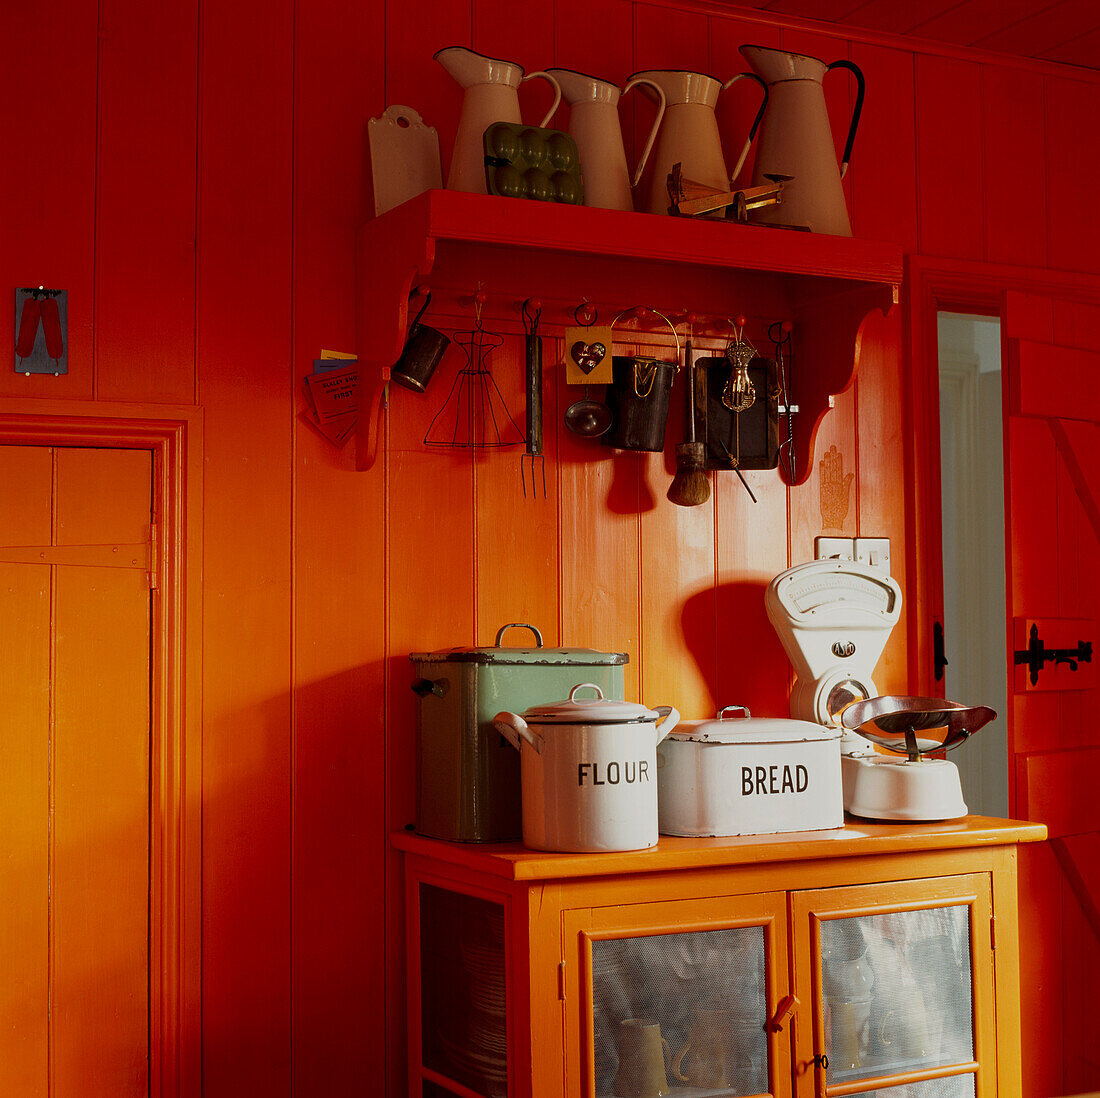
833, 618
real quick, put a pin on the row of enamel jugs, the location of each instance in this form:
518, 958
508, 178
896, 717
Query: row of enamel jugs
795, 143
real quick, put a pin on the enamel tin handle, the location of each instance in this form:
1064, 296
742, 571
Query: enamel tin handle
661, 103
755, 122
515, 730
671, 717
557, 93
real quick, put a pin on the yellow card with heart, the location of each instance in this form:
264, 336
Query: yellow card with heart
588, 355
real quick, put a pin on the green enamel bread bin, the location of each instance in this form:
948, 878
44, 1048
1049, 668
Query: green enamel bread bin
468, 777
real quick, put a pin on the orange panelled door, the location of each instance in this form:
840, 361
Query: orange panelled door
75, 528
1052, 351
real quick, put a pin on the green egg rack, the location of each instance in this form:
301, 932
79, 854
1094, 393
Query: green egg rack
531, 162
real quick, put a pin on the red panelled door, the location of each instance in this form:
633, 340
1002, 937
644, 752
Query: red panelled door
1052, 454
74, 772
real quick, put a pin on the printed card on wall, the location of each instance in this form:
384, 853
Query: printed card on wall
588, 355
41, 331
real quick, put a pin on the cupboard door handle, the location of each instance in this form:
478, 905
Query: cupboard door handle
785, 1010
822, 1061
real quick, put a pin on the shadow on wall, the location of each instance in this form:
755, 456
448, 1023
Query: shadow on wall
727, 631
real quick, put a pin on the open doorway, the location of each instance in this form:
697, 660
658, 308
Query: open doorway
973, 542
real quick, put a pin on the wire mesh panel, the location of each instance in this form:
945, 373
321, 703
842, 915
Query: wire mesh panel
896, 995
675, 1011
462, 989
955, 1086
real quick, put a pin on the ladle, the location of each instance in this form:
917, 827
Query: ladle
588, 417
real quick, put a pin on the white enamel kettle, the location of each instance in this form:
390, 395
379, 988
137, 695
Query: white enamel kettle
797, 141
490, 96
594, 125
588, 771
689, 136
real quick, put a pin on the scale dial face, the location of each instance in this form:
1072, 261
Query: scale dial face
915, 726
814, 591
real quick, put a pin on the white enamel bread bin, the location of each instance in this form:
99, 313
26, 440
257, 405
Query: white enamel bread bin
746, 776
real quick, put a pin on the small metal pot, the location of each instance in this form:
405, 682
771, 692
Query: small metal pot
638, 397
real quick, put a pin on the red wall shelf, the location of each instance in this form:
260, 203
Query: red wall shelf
511, 249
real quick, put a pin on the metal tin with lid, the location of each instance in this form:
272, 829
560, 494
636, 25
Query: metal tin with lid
589, 769
749, 776
468, 777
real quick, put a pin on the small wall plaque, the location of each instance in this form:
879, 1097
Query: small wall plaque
41, 331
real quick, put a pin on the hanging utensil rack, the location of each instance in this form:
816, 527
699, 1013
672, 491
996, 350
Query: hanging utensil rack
825, 286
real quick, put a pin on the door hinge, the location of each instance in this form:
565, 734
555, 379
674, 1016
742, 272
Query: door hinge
154, 558
939, 651
561, 981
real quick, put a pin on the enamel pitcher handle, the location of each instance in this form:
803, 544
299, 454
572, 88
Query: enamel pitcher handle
857, 110
661, 104
557, 93
755, 122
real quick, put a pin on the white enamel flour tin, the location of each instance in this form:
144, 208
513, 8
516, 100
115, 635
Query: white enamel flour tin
589, 771
746, 776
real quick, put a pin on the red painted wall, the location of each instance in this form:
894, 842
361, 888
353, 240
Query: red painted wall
194, 175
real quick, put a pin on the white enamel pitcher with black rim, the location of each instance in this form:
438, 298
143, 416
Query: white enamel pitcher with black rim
796, 141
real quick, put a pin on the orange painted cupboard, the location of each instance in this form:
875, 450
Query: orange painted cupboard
826, 963
195, 176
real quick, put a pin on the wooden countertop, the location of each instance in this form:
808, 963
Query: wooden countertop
515, 861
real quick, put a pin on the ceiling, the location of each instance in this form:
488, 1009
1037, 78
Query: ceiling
1066, 31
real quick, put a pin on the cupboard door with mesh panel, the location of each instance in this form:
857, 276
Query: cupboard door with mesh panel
900, 982
677, 998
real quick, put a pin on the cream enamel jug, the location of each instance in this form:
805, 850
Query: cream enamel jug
689, 134
594, 125
588, 771
490, 96
797, 141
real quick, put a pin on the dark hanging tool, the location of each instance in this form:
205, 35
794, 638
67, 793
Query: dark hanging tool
690, 487
532, 312
780, 335
1036, 655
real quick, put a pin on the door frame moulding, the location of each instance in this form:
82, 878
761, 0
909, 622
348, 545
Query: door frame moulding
174, 436
934, 284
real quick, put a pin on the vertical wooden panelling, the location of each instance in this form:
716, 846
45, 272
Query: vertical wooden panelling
412, 78
339, 829
678, 655
48, 189
949, 157
1073, 241
517, 534
1014, 180
751, 548
884, 158
828, 502
26, 474
599, 549
145, 217
245, 384
882, 482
